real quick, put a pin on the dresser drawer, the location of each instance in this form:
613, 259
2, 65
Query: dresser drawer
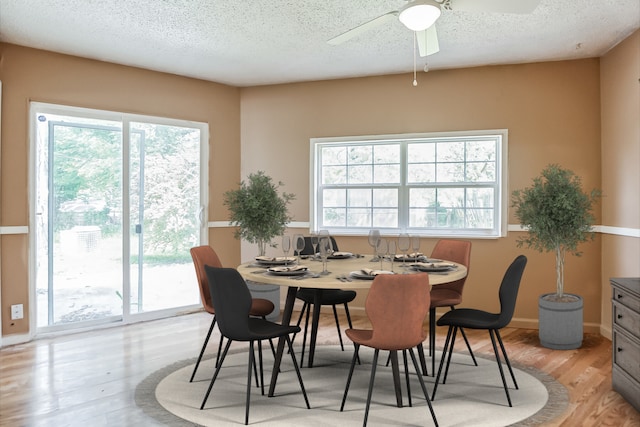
625, 353
626, 318
626, 386
625, 298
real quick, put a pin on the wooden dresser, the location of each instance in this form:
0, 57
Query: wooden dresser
626, 338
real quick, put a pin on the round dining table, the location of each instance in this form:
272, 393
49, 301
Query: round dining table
345, 271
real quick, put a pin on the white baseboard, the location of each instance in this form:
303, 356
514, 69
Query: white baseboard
8, 340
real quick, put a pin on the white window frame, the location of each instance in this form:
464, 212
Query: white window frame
500, 195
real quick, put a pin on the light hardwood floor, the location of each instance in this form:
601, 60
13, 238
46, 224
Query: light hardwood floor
89, 379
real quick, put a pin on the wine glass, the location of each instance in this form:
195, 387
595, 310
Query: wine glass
391, 251
314, 243
404, 243
381, 248
298, 240
374, 236
286, 246
415, 245
321, 234
326, 249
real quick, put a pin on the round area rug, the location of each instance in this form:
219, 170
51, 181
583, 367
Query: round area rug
472, 395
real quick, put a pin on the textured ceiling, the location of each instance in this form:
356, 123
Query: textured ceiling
257, 42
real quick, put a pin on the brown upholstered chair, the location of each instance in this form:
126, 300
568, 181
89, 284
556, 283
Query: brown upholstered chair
396, 306
448, 294
205, 255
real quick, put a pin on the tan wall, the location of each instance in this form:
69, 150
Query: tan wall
620, 93
552, 112
34, 75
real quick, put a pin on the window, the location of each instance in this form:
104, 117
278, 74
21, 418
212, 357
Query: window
445, 184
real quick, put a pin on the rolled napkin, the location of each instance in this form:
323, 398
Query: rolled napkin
370, 272
274, 258
413, 255
433, 265
285, 269
341, 255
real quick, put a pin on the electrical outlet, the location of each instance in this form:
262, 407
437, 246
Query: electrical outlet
17, 312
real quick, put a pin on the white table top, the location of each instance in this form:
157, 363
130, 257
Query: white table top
341, 267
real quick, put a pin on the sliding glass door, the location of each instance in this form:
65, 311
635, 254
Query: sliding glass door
118, 203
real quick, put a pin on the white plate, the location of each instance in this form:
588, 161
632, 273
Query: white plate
360, 275
279, 260
340, 255
433, 267
286, 271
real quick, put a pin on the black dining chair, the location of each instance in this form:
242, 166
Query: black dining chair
332, 297
232, 302
470, 318
260, 307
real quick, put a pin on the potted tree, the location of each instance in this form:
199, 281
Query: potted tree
258, 210
558, 216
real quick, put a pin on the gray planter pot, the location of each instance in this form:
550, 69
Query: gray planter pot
560, 323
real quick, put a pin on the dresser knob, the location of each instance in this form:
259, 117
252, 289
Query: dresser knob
620, 296
619, 316
619, 349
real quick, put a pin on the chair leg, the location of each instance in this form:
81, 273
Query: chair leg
252, 361
261, 369
395, 370
215, 375
335, 316
273, 348
453, 342
204, 346
304, 337
406, 375
473, 357
371, 381
255, 371
504, 381
219, 351
423, 360
432, 338
297, 368
423, 386
304, 307
346, 310
506, 359
442, 358
353, 364
466, 342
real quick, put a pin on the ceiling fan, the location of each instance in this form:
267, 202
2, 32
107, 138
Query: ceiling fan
421, 15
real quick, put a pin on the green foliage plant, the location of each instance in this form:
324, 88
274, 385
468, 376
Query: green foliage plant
558, 215
257, 209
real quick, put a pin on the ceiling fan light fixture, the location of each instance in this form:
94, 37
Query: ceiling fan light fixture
418, 15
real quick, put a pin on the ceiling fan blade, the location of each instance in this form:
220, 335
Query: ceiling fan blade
360, 29
428, 41
499, 6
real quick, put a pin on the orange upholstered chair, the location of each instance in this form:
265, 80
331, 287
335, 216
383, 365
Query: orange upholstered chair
205, 255
396, 306
448, 294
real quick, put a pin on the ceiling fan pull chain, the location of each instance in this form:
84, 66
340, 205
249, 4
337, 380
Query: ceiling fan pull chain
415, 80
